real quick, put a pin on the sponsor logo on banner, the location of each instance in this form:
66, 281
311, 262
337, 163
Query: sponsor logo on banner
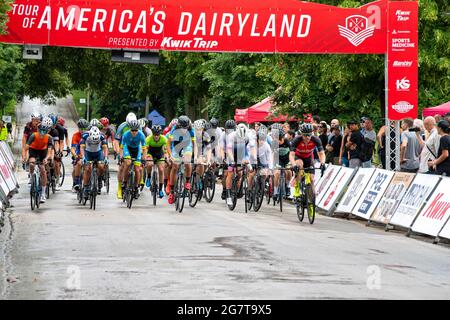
402, 84
402, 107
403, 15
400, 43
437, 208
402, 64
356, 29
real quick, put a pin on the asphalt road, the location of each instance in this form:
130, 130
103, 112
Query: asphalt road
66, 251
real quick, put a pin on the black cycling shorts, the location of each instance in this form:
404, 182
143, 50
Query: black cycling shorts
307, 162
39, 155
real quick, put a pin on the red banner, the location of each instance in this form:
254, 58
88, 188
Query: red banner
289, 26
402, 56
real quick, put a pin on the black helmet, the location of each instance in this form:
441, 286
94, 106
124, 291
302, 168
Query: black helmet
214, 123
230, 125
134, 125
306, 128
208, 126
183, 122
156, 129
82, 124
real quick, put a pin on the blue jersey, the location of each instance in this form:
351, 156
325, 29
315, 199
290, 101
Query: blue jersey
134, 143
123, 128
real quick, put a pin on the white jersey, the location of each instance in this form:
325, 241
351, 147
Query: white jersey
265, 155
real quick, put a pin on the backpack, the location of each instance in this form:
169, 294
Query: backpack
367, 149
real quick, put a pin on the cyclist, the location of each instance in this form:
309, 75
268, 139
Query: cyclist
202, 151
39, 147
227, 141
301, 154
144, 127
168, 169
281, 151
93, 147
123, 128
181, 144
216, 134
30, 127
82, 125
133, 147
264, 156
156, 145
58, 133
108, 132
63, 134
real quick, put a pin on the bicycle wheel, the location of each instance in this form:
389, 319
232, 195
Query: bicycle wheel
106, 175
37, 193
310, 203
281, 192
245, 189
155, 186
234, 192
144, 172
268, 189
209, 186
130, 189
300, 208
181, 193
47, 190
94, 185
194, 193
62, 174
258, 194
32, 193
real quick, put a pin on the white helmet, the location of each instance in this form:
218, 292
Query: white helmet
47, 122
199, 124
94, 134
241, 131
36, 115
130, 117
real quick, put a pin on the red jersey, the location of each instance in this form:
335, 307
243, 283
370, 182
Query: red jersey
305, 150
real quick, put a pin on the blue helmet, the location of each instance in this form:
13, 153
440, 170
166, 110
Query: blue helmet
54, 118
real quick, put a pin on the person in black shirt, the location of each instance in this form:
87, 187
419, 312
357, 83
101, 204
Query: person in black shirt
323, 130
442, 163
354, 145
334, 146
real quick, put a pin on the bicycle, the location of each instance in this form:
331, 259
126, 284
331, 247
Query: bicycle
209, 184
93, 181
259, 187
106, 177
234, 189
197, 186
154, 181
307, 199
129, 193
35, 188
62, 168
281, 188
268, 188
51, 179
180, 191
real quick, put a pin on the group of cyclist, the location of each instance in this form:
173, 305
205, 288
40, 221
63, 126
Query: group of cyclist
195, 145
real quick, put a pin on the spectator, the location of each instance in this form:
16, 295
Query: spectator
354, 145
334, 147
410, 147
316, 120
442, 163
381, 138
370, 138
9, 127
323, 133
334, 123
343, 156
290, 135
431, 147
286, 127
419, 124
438, 118
362, 122
447, 117
3, 131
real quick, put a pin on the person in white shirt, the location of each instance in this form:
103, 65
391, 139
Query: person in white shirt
431, 146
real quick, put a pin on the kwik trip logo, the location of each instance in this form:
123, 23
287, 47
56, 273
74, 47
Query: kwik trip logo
356, 29
402, 107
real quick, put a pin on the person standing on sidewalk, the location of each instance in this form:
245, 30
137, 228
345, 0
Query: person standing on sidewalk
354, 145
410, 147
3, 131
370, 138
431, 146
442, 163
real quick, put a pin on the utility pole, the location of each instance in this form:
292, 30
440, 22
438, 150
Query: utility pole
147, 99
87, 102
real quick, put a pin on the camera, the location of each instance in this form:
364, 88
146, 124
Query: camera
414, 129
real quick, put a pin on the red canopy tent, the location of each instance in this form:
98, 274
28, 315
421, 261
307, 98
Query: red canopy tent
441, 109
260, 112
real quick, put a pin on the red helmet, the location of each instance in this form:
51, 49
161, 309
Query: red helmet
307, 118
61, 121
104, 121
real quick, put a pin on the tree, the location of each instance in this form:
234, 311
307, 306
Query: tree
10, 74
5, 6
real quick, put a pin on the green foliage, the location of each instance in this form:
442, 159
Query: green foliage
10, 74
5, 6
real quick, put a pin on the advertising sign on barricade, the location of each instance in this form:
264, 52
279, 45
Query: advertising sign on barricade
373, 193
436, 212
7, 174
6, 151
328, 177
392, 197
4, 190
356, 188
445, 233
414, 199
336, 189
